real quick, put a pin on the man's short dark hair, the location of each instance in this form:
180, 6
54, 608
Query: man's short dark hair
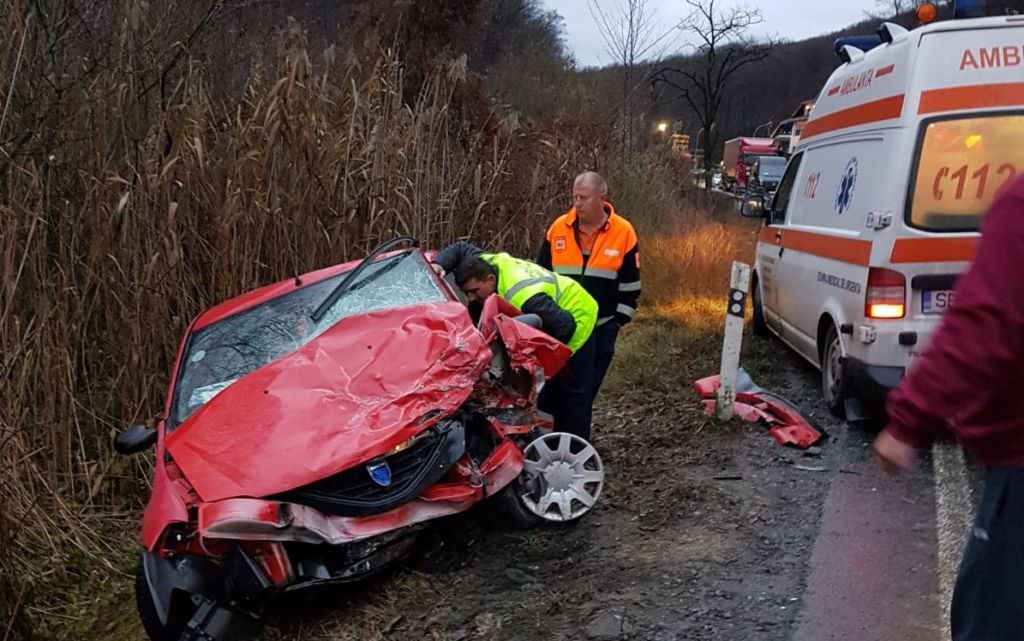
473, 268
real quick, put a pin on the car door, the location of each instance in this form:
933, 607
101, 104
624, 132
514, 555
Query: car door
770, 250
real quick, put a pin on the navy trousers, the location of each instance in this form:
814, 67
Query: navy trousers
569, 396
988, 599
604, 350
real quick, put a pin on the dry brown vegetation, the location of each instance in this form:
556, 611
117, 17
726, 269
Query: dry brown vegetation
133, 213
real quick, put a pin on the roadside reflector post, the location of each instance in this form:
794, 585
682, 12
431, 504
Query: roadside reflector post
739, 285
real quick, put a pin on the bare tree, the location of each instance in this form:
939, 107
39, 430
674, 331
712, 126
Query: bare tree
721, 47
630, 30
60, 48
894, 8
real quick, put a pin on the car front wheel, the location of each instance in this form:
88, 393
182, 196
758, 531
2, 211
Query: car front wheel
561, 481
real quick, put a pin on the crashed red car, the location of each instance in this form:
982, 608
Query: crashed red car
315, 426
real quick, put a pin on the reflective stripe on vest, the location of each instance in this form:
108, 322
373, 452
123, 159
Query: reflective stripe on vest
523, 284
568, 270
602, 273
520, 280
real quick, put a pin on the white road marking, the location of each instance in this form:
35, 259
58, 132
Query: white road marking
954, 507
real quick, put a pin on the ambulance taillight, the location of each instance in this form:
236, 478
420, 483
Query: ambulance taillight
886, 294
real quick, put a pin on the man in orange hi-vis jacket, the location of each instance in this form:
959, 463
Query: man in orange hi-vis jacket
597, 247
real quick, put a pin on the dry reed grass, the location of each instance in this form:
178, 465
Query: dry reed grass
111, 245
144, 216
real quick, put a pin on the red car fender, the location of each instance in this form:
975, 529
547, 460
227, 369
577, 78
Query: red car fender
527, 346
165, 506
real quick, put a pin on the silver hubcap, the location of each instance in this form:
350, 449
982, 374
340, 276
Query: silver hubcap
562, 477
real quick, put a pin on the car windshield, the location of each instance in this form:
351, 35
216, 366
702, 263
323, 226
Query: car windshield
221, 353
771, 167
962, 164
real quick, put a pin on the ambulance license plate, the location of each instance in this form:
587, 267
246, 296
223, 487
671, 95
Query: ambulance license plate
936, 301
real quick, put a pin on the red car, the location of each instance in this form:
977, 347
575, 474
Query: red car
314, 426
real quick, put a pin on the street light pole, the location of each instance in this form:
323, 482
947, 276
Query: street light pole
766, 124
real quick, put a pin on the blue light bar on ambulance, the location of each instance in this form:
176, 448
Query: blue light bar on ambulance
864, 43
968, 8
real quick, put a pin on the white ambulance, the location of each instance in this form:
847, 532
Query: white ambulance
879, 209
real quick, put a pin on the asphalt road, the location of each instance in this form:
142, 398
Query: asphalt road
887, 548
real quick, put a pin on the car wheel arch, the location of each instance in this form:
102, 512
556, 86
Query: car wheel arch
825, 321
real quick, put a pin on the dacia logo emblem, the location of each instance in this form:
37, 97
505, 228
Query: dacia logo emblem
380, 473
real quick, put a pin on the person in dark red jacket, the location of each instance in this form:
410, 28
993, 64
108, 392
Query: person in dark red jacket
967, 385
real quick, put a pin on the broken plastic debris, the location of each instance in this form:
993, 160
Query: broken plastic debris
785, 422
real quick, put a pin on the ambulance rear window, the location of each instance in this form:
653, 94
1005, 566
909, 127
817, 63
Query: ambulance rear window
962, 164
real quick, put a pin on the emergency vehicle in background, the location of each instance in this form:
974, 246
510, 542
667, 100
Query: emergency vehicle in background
879, 209
738, 155
786, 134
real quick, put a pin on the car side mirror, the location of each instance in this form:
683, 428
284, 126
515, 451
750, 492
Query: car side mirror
136, 438
754, 206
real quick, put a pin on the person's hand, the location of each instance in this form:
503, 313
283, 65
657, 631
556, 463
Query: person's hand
438, 269
894, 455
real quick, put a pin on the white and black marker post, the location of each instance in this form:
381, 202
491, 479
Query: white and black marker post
739, 284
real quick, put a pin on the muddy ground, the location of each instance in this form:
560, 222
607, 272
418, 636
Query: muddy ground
704, 530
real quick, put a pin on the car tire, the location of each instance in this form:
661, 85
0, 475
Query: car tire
510, 511
759, 326
155, 630
833, 386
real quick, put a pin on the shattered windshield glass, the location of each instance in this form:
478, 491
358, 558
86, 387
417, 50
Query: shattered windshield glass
222, 353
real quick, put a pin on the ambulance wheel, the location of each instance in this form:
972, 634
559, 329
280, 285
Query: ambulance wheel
833, 388
759, 326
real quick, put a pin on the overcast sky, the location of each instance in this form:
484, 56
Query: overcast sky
788, 19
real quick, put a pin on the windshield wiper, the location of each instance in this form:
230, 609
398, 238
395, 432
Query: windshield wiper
349, 280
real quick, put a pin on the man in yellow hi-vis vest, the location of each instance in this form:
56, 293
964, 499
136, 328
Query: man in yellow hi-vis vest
567, 311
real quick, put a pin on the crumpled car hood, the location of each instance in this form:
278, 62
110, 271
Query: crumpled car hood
354, 393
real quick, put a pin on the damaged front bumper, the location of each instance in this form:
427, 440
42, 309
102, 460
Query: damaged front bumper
248, 519
195, 599
187, 593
